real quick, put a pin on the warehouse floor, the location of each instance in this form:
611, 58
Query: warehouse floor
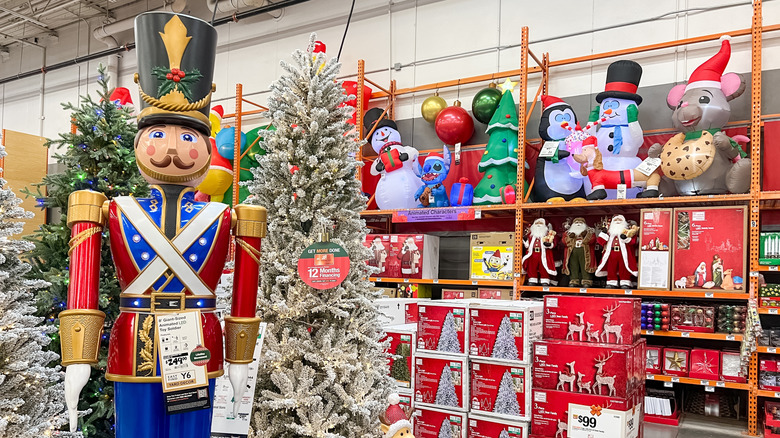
697, 426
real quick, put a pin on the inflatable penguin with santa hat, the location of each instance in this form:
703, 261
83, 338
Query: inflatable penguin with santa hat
554, 180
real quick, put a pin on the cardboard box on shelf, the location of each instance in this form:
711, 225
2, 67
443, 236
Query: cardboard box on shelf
604, 369
501, 388
496, 293
455, 294
402, 343
655, 248
704, 364
441, 381
413, 290
676, 361
442, 326
404, 255
387, 292
731, 367
397, 311
492, 256
486, 426
504, 330
429, 422
573, 317
551, 408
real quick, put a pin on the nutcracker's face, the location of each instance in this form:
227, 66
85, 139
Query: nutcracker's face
172, 154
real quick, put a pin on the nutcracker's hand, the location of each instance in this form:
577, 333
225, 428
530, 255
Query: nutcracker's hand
76, 377
238, 373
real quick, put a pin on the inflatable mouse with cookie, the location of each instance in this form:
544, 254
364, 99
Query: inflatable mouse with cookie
701, 159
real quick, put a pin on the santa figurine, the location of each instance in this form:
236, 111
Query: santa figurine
378, 254
579, 259
618, 262
396, 421
410, 257
538, 262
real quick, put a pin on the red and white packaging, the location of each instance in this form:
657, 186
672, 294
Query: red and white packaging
495, 293
454, 294
550, 408
406, 398
501, 388
402, 343
432, 385
654, 359
442, 326
676, 361
404, 255
484, 426
428, 422
396, 311
705, 364
731, 367
604, 369
574, 317
493, 326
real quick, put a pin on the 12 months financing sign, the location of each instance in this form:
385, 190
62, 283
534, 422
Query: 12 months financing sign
323, 265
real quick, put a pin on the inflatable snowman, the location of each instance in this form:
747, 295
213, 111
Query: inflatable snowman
620, 136
395, 165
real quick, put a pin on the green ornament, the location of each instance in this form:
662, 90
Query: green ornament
485, 103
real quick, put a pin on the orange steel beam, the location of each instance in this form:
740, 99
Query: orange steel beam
244, 113
387, 92
521, 127
533, 104
393, 87
545, 73
539, 63
255, 104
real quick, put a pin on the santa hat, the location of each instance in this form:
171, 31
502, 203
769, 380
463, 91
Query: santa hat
709, 73
549, 101
497, 253
433, 155
121, 95
395, 417
218, 111
319, 47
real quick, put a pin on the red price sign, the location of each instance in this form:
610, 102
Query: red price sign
323, 265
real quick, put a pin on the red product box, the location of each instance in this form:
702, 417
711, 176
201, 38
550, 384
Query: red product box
434, 423
454, 294
501, 388
402, 343
441, 381
495, 293
609, 320
406, 399
692, 318
771, 419
550, 408
604, 369
404, 255
731, 367
398, 310
676, 361
442, 326
768, 372
483, 426
705, 364
653, 361
504, 331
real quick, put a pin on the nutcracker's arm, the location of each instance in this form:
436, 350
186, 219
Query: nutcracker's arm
81, 324
242, 325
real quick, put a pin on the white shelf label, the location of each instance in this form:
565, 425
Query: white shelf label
709, 389
474, 282
730, 337
378, 280
705, 382
650, 332
406, 280
709, 295
545, 288
675, 380
685, 334
668, 384
436, 281
477, 214
583, 290
628, 292
720, 384
773, 268
771, 350
777, 395
650, 377
773, 311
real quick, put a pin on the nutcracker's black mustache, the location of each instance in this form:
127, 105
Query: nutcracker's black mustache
166, 161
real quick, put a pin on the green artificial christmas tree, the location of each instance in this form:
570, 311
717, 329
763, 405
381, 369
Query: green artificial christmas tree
499, 163
400, 368
99, 156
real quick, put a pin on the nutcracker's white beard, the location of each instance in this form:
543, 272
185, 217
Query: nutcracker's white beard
538, 231
616, 227
578, 228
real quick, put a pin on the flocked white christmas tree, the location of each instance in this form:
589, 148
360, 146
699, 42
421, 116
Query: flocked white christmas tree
31, 393
323, 371
445, 393
445, 431
505, 347
503, 434
506, 400
448, 338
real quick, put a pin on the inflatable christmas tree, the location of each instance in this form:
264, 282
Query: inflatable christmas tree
499, 163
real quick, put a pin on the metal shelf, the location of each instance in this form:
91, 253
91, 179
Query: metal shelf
639, 293
442, 281
769, 310
694, 335
485, 211
767, 350
700, 382
766, 393
628, 205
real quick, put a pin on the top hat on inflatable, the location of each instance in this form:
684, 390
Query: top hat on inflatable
371, 116
622, 81
175, 68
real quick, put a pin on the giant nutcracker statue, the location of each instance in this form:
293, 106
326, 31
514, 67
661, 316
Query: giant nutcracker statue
169, 251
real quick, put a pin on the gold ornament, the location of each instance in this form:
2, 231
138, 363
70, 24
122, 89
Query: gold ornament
508, 85
676, 362
431, 107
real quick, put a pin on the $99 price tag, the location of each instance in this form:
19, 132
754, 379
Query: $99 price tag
598, 422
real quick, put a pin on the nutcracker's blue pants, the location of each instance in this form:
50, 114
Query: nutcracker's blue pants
140, 413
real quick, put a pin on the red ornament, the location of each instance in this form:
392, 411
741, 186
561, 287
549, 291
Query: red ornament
293, 169
175, 71
169, 76
176, 79
454, 125
181, 74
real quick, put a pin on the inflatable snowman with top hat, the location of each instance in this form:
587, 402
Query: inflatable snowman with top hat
555, 179
620, 136
395, 164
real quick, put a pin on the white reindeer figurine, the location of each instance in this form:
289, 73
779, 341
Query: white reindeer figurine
579, 328
583, 386
601, 379
617, 329
593, 335
562, 427
564, 378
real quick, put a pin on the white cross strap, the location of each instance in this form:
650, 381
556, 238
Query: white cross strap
169, 252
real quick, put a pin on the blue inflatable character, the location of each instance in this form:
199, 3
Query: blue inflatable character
433, 172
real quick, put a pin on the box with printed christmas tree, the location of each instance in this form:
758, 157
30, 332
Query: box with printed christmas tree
573, 318
430, 422
504, 331
442, 326
441, 381
485, 426
401, 351
550, 411
501, 388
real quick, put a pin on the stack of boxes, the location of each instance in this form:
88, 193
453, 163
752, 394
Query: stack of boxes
471, 368
592, 355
